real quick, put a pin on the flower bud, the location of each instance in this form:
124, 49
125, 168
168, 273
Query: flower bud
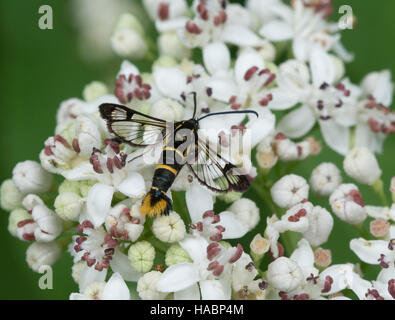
141, 256
30, 177
346, 202
259, 245
129, 43
146, 286
129, 21
39, 254
17, 215
76, 270
170, 45
379, 227
361, 165
165, 62
287, 150
94, 90
339, 67
167, 109
169, 228
320, 226
284, 274
322, 257
267, 51
289, 190
176, 254
229, 197
246, 211
392, 188
68, 206
325, 179
265, 155
85, 186
69, 186
10, 196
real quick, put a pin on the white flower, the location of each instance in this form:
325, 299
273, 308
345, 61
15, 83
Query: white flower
320, 226
200, 204
169, 228
30, 177
247, 211
374, 251
114, 289
265, 155
381, 212
325, 100
68, 206
95, 247
211, 24
146, 286
40, 254
11, 197
289, 190
43, 226
243, 280
259, 245
211, 268
361, 164
346, 202
284, 274
16, 216
307, 28
125, 223
375, 120
325, 179
295, 219
287, 150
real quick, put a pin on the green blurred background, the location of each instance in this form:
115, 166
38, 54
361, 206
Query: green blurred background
40, 68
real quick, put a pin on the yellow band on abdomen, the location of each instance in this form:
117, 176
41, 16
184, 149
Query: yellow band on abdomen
167, 167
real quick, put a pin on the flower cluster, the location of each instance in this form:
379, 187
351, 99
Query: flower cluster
232, 57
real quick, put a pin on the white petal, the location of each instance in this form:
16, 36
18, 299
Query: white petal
171, 82
369, 251
359, 286
212, 290
120, 263
84, 171
116, 289
246, 60
301, 48
178, 277
276, 31
322, 67
89, 275
341, 275
196, 247
133, 186
216, 57
260, 126
234, 227
190, 293
99, 203
297, 123
223, 88
282, 99
240, 36
169, 25
365, 137
199, 200
304, 257
336, 137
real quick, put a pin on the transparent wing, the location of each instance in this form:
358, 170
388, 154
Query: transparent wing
132, 127
215, 172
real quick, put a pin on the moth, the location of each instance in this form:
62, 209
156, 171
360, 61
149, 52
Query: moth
181, 146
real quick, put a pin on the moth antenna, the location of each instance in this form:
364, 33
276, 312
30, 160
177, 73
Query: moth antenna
228, 112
